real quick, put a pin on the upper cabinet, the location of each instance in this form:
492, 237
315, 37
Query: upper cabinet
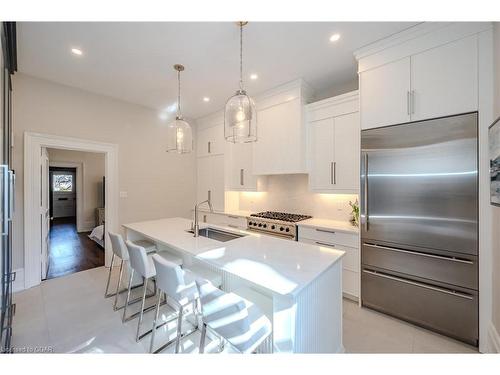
426, 72
281, 146
333, 144
385, 94
445, 80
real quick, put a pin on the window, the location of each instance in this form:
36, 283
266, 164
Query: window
63, 182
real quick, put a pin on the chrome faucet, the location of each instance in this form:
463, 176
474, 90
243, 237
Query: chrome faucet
196, 227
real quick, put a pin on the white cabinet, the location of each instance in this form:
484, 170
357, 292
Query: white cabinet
240, 169
281, 146
210, 180
210, 141
334, 144
227, 220
384, 94
347, 242
434, 82
445, 80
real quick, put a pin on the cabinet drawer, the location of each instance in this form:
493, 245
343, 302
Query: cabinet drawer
446, 269
350, 283
235, 221
447, 311
329, 236
350, 260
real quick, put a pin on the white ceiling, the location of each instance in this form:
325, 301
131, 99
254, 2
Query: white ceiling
133, 61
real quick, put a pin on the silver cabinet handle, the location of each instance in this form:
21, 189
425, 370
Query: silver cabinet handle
209, 147
442, 257
325, 230
5, 198
408, 111
331, 173
335, 173
233, 226
241, 178
209, 195
412, 102
325, 244
232, 217
367, 220
421, 285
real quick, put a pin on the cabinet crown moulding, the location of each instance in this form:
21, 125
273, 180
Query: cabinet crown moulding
339, 99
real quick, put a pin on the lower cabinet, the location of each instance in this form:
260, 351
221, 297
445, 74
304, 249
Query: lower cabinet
347, 242
226, 220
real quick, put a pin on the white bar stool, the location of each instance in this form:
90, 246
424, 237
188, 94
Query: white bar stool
233, 318
180, 291
141, 263
120, 251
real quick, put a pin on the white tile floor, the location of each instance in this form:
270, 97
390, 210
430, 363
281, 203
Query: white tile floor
70, 314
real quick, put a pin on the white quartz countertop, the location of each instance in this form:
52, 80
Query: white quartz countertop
340, 226
281, 266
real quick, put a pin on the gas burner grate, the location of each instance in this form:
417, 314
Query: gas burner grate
282, 216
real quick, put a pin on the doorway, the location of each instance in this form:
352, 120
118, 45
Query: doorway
72, 193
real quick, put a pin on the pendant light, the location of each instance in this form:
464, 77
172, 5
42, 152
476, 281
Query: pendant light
179, 133
240, 117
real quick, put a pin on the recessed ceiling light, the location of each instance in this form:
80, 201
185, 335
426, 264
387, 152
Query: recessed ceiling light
254, 76
76, 51
334, 37
206, 99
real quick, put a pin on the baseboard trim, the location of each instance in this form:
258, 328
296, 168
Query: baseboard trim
493, 339
18, 284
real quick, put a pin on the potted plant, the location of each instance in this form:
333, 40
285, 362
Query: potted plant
354, 213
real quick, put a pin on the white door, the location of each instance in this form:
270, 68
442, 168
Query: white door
445, 80
210, 141
217, 182
346, 148
44, 212
240, 167
322, 154
384, 94
203, 178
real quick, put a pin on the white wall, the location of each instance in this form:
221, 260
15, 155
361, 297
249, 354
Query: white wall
290, 193
157, 183
496, 210
93, 171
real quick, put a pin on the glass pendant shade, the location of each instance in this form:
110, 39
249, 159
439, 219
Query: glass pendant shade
240, 119
179, 136
179, 132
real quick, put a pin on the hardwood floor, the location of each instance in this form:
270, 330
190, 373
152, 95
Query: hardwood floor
70, 251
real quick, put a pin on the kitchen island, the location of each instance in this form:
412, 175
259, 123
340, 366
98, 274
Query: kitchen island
299, 286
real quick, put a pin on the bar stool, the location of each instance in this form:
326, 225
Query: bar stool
141, 263
120, 251
180, 291
232, 318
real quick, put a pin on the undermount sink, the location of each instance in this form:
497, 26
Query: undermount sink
217, 234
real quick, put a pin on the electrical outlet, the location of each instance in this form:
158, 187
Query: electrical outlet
123, 194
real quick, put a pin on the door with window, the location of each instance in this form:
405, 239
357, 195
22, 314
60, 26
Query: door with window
45, 212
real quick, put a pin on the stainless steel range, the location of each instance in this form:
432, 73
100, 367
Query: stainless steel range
276, 223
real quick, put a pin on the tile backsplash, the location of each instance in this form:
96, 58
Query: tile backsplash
290, 193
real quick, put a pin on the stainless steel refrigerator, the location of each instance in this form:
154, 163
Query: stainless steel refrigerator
419, 223
8, 66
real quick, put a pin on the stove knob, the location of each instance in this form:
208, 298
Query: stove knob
260, 224
254, 224
281, 228
250, 223
287, 229
273, 227
264, 226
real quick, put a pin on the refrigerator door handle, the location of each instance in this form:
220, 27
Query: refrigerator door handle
421, 285
12, 194
441, 257
5, 198
367, 223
